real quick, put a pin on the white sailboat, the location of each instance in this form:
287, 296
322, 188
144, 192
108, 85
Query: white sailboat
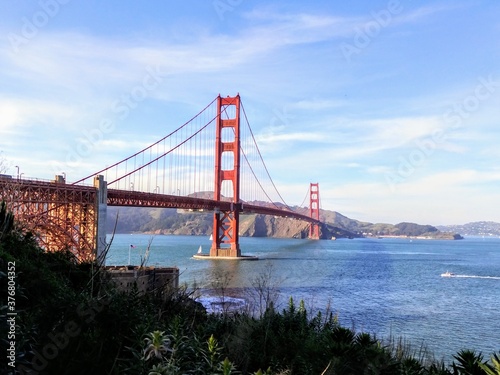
199, 250
211, 238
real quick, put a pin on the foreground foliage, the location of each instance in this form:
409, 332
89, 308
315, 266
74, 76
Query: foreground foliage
71, 321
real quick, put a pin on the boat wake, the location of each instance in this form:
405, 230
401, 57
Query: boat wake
471, 276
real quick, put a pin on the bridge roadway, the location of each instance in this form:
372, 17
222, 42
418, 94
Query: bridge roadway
57, 192
140, 199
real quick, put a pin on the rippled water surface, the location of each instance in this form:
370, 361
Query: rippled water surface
382, 286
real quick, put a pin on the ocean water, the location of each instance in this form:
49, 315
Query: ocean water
387, 287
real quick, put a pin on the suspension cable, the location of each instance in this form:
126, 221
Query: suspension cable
262, 160
307, 194
137, 153
166, 153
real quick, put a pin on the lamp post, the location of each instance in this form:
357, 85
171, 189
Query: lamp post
17, 171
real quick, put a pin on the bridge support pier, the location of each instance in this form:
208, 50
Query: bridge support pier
227, 225
101, 209
314, 210
225, 241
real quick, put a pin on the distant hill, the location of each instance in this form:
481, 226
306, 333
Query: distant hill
404, 229
158, 220
180, 222
476, 228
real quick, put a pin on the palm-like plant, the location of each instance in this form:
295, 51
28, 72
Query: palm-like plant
158, 370
157, 345
411, 366
492, 369
226, 367
438, 369
213, 355
468, 363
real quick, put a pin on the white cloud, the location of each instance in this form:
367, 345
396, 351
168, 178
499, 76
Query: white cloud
344, 139
423, 12
434, 195
124, 144
442, 183
319, 104
268, 138
26, 113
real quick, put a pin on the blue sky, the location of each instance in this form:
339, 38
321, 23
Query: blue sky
392, 106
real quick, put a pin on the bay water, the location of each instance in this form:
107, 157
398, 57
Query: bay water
387, 287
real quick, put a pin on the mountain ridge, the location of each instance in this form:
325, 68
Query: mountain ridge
335, 225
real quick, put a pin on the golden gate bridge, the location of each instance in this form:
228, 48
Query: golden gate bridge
212, 162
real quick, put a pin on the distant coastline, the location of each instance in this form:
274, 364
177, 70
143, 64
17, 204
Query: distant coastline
437, 236
475, 228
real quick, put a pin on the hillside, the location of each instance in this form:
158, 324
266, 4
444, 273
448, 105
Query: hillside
178, 222
476, 228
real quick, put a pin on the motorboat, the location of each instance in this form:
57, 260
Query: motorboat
447, 274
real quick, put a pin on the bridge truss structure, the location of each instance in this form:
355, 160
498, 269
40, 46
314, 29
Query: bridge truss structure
63, 217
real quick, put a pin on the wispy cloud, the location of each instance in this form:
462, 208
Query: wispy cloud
436, 192
455, 179
360, 138
424, 12
319, 104
22, 114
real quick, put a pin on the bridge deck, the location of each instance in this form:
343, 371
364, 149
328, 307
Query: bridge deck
140, 199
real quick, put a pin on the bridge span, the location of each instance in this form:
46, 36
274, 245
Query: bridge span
126, 198
73, 216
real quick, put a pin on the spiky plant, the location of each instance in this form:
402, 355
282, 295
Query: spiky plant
493, 369
157, 345
468, 363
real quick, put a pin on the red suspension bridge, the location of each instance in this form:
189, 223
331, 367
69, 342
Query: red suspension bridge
212, 162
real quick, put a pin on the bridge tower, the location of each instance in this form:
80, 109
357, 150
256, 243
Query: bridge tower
314, 210
225, 236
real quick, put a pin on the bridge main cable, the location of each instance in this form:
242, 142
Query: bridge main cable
150, 146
